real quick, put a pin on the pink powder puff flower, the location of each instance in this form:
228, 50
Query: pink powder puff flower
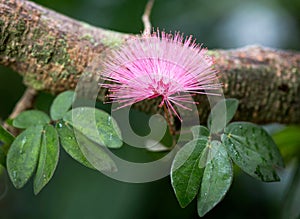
159, 65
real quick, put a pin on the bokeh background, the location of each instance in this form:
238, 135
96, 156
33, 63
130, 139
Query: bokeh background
77, 192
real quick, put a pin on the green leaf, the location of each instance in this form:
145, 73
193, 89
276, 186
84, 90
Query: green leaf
48, 158
95, 154
288, 141
61, 104
84, 150
96, 125
23, 155
216, 181
69, 143
221, 114
9, 121
185, 172
253, 150
199, 131
2, 158
30, 118
6, 140
5, 136
208, 153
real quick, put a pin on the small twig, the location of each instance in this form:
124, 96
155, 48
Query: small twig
146, 17
26, 102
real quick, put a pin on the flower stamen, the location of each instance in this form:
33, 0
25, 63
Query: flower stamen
160, 65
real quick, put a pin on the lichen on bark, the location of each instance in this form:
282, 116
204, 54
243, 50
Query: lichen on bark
43, 46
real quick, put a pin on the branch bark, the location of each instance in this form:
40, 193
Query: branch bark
52, 51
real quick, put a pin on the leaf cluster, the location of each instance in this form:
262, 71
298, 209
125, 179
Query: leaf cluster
204, 166
82, 132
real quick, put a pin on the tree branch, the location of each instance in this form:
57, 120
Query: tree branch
52, 51
26, 102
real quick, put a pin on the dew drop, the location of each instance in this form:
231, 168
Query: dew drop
59, 125
14, 175
236, 154
44, 177
240, 127
109, 120
22, 145
23, 141
110, 136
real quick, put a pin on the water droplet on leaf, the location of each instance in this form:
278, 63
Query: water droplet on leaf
22, 145
109, 120
14, 175
23, 140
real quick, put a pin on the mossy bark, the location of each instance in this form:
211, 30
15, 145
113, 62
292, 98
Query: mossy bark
52, 52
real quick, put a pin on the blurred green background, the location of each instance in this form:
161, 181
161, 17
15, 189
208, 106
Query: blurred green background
77, 192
